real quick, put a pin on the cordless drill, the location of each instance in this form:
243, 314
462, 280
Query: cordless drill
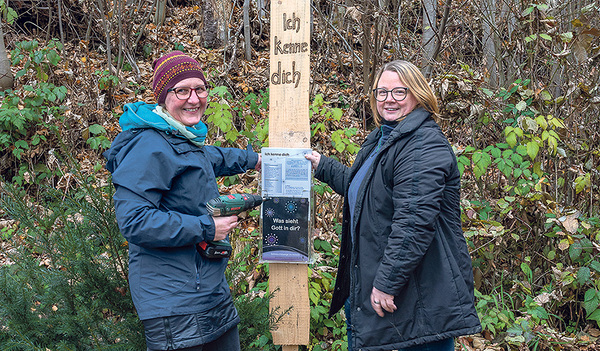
226, 205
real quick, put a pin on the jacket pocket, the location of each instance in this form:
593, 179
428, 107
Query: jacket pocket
165, 272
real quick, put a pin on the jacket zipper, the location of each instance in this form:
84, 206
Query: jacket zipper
198, 262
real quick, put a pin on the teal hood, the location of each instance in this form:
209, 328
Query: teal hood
140, 115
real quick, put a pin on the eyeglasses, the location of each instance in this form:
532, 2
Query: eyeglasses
398, 93
185, 93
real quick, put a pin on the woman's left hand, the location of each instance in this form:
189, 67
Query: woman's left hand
381, 301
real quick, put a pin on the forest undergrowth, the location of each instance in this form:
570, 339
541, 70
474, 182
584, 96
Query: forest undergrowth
528, 157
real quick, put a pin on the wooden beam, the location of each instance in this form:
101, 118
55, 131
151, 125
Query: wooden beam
289, 126
289, 285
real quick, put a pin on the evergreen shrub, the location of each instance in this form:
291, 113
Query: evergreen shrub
65, 284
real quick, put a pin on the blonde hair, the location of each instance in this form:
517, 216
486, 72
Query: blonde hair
415, 82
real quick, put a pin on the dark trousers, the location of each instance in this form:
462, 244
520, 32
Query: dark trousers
230, 341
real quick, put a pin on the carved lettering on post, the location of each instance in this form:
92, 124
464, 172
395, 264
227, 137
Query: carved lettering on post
289, 48
283, 77
290, 68
289, 75
291, 23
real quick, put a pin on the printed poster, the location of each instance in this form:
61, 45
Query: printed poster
285, 213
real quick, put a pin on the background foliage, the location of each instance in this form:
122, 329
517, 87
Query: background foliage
518, 85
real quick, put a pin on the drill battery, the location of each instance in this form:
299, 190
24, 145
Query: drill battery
215, 249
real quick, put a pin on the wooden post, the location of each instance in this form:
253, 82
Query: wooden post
289, 126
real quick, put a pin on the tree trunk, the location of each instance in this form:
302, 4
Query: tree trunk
507, 66
261, 5
489, 40
375, 33
397, 44
161, 12
6, 76
216, 17
210, 25
368, 65
429, 37
247, 31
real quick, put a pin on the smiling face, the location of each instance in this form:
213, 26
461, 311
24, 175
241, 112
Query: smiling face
390, 109
190, 111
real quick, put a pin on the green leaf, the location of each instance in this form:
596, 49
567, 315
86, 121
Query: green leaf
516, 158
526, 269
595, 316
53, 57
97, 129
582, 182
591, 300
314, 297
541, 121
326, 246
575, 250
545, 95
35, 140
543, 7
496, 152
11, 15
507, 154
337, 113
545, 37
517, 172
595, 265
232, 135
532, 149
521, 150
21, 144
552, 145
528, 11
583, 275
511, 139
487, 92
481, 162
566, 37
557, 123
522, 105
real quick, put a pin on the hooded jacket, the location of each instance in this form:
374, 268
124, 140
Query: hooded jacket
162, 184
409, 241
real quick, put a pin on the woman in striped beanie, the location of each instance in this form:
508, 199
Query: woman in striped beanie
164, 175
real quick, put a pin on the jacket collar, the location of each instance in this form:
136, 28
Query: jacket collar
408, 125
411, 123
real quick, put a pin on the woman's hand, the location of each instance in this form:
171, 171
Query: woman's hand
381, 301
258, 163
314, 159
223, 225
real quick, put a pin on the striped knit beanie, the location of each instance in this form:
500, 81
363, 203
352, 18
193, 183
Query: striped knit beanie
172, 69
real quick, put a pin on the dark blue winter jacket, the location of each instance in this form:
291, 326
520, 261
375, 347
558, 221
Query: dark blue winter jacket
162, 184
409, 242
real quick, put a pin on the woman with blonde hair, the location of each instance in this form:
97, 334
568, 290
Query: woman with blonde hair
404, 274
